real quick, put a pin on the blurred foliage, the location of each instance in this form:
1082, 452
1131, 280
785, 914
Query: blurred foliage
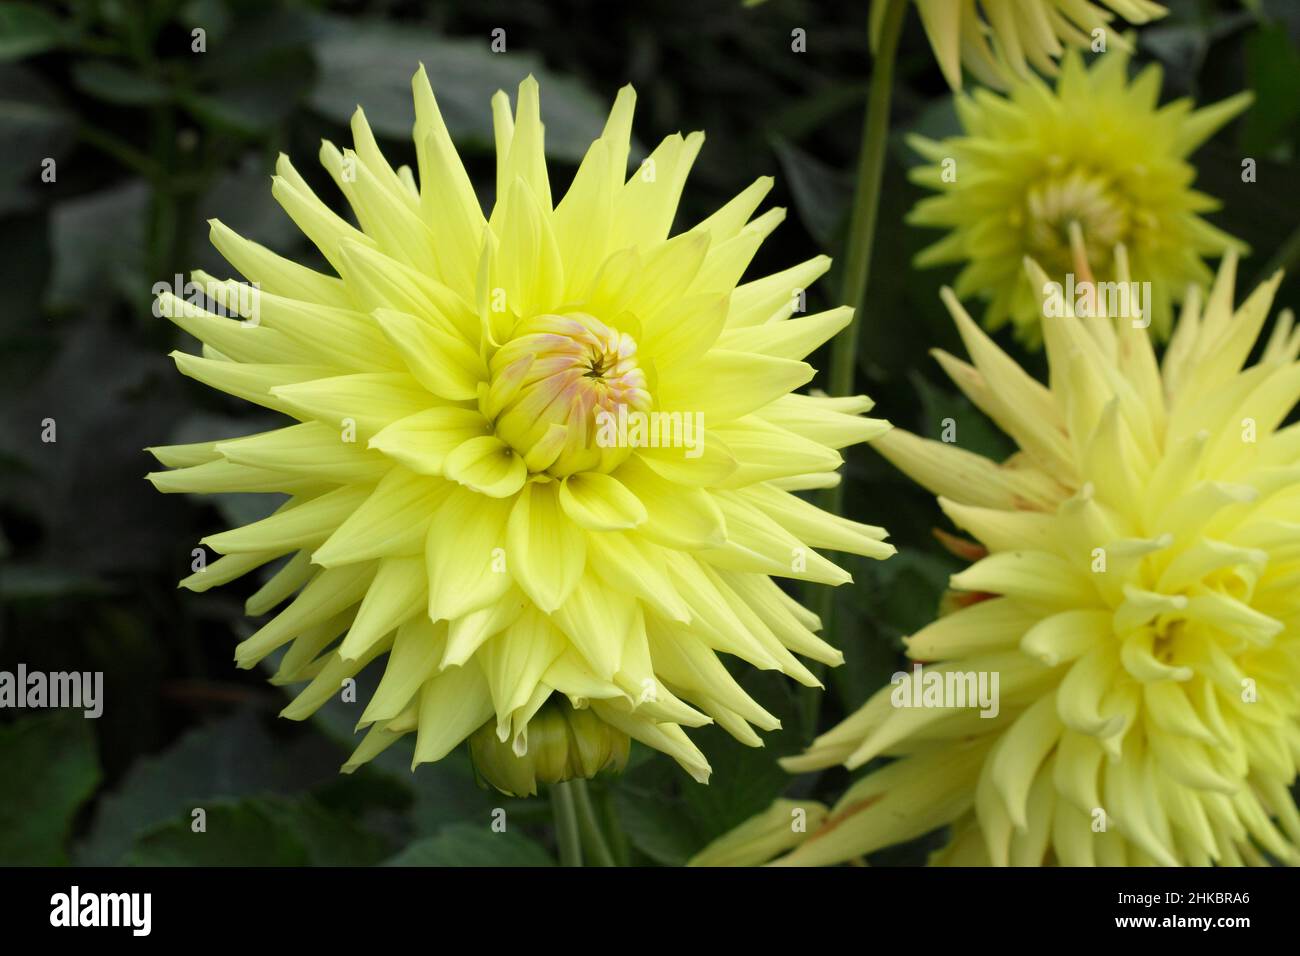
150, 137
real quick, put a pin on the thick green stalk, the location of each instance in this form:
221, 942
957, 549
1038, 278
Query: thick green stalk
593, 837
566, 824
857, 265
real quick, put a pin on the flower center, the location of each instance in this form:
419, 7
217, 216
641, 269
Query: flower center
1051, 206
552, 385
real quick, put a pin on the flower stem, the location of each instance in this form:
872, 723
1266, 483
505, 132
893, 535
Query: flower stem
1286, 259
566, 824
593, 838
122, 151
857, 264
866, 196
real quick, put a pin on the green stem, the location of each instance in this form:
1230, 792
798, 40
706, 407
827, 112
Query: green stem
857, 266
1286, 259
617, 838
123, 152
566, 824
593, 838
866, 195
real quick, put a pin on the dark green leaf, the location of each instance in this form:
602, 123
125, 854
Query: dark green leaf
1273, 65
822, 196
909, 587
272, 831
371, 63
96, 513
745, 780
241, 834
50, 770
98, 243
870, 645
330, 838
258, 97
35, 127
35, 582
463, 844
945, 414
231, 758
447, 791
26, 29
657, 826
114, 83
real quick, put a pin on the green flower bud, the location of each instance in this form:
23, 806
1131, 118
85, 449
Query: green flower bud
559, 744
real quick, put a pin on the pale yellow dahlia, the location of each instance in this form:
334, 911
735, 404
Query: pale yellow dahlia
1000, 40
1096, 158
1138, 604
544, 463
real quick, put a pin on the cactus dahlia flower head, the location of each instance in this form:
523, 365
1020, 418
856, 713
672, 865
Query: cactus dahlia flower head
1136, 588
1000, 40
1096, 158
543, 463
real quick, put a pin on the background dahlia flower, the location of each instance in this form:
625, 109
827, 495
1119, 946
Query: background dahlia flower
1096, 158
1000, 40
452, 507
1138, 595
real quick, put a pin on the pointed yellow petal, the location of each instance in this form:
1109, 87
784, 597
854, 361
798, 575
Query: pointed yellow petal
600, 502
545, 549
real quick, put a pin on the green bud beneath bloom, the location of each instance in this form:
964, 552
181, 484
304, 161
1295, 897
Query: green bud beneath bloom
559, 744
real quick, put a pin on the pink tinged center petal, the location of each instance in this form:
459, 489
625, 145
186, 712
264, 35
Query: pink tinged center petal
571, 372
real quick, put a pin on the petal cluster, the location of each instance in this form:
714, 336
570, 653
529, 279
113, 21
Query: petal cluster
475, 500
1136, 591
1094, 162
999, 41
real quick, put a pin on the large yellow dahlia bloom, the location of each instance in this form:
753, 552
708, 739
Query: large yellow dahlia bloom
1097, 158
1000, 40
1138, 601
544, 462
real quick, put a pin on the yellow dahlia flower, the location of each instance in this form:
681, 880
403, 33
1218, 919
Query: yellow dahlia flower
1000, 40
544, 461
1138, 604
1097, 158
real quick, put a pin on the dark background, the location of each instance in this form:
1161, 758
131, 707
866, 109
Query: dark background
151, 139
